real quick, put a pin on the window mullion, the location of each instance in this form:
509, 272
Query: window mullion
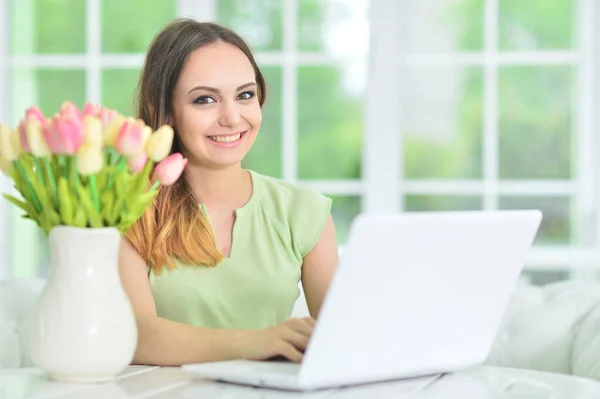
93, 82
490, 92
382, 153
204, 10
6, 243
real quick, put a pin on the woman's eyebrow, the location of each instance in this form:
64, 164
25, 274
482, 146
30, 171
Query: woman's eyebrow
215, 90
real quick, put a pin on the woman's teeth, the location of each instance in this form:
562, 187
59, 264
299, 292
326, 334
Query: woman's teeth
226, 139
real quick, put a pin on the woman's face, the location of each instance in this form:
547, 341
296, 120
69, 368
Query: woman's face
215, 106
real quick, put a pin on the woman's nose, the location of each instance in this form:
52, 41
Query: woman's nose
230, 115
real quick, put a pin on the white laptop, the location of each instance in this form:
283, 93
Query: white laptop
415, 294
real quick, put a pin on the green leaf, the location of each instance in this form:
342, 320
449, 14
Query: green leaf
79, 218
107, 201
65, 201
93, 217
26, 206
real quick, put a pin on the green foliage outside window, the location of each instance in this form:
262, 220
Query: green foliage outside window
536, 103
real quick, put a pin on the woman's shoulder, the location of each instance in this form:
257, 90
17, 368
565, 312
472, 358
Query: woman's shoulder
301, 209
286, 194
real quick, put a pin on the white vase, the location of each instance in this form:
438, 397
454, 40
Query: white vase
83, 328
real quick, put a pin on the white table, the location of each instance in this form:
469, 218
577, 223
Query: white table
171, 382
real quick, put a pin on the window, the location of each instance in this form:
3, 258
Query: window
493, 108
383, 105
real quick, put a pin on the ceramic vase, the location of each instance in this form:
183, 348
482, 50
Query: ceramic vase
83, 328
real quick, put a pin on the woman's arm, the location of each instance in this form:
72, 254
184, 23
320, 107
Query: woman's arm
167, 343
318, 268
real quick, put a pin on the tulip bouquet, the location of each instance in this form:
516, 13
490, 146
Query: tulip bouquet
86, 168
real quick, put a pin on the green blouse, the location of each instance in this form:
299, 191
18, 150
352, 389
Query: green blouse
257, 285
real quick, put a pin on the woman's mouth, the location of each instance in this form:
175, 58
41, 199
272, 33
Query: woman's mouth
227, 140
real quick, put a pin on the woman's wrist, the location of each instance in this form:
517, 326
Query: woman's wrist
235, 343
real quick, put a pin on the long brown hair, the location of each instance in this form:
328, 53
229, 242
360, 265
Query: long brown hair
174, 228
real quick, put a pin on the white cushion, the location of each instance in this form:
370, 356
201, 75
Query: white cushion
17, 298
552, 328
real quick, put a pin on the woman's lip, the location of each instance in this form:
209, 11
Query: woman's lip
228, 134
230, 144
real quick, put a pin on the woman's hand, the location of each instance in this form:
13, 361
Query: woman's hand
288, 339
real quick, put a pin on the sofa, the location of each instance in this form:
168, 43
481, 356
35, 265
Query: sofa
555, 327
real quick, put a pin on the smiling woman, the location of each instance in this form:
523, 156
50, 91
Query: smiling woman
212, 270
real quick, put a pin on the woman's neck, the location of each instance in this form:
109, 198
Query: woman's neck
229, 187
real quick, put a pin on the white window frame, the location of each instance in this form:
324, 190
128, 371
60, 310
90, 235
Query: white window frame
382, 186
6, 243
584, 188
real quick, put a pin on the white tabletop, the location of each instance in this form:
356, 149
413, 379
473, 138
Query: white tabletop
171, 382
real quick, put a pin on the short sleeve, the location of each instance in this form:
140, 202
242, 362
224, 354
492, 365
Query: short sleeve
308, 214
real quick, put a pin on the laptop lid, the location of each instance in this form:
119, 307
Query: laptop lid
417, 293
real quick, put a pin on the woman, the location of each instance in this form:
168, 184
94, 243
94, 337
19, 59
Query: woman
212, 270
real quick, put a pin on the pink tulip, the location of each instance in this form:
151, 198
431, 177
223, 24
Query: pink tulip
129, 142
90, 109
107, 115
137, 164
70, 109
35, 112
69, 131
52, 136
169, 169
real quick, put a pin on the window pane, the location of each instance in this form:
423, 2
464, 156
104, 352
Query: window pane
556, 225
335, 26
129, 26
259, 22
443, 26
442, 116
330, 121
118, 86
45, 26
535, 122
48, 88
265, 155
343, 211
536, 24
420, 203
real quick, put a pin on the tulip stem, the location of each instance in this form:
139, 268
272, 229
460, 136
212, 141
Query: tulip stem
154, 186
36, 201
51, 179
122, 163
62, 169
114, 157
74, 175
94, 191
38, 170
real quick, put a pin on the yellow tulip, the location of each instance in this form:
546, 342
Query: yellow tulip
90, 159
10, 144
5, 166
146, 133
159, 144
36, 140
92, 130
112, 129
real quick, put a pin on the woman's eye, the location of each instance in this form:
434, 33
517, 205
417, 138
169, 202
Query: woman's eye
204, 100
246, 95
